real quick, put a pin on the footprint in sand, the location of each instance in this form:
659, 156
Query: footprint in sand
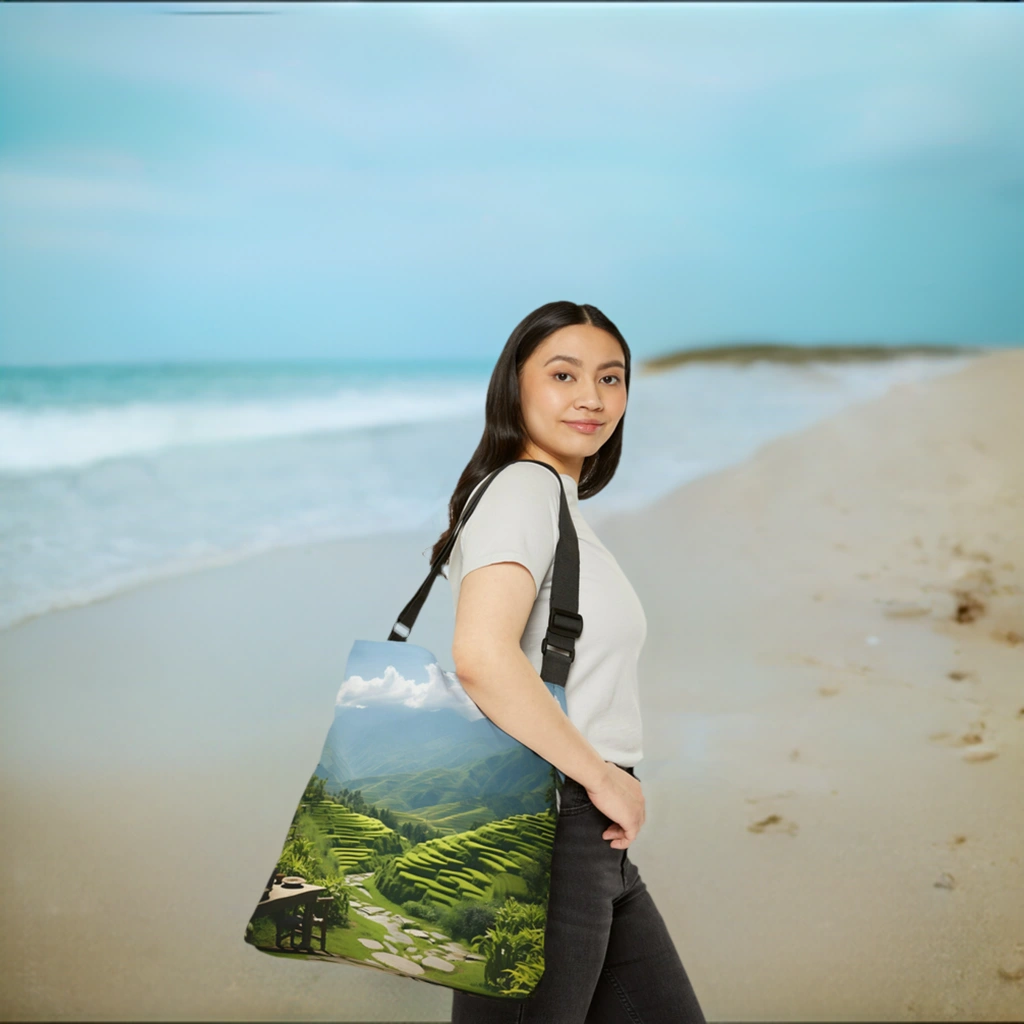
977, 556
975, 746
774, 823
979, 753
1012, 968
970, 589
1007, 636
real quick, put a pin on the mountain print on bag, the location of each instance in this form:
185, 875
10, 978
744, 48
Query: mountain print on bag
422, 843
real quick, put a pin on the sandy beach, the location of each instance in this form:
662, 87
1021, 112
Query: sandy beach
833, 698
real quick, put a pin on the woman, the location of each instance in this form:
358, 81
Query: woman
558, 395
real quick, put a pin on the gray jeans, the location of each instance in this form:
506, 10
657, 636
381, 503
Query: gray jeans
608, 956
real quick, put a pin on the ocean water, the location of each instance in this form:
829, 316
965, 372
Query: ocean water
111, 476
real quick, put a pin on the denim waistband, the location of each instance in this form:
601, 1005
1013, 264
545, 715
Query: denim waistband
624, 767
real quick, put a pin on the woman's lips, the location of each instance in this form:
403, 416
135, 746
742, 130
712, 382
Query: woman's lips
583, 428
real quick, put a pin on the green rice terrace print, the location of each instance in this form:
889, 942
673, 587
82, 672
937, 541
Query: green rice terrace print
422, 843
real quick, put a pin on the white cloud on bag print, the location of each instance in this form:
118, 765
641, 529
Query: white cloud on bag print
441, 690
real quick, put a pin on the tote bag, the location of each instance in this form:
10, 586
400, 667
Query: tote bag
422, 843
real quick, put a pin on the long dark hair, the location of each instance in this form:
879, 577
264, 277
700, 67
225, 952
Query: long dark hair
505, 434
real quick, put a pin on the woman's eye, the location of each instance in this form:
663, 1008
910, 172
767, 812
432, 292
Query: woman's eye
565, 373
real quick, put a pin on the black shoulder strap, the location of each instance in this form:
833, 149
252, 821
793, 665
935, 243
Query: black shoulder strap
564, 621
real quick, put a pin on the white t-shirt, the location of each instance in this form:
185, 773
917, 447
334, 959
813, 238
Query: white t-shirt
516, 520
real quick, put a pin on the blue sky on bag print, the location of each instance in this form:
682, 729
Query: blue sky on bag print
398, 672
381, 673
313, 180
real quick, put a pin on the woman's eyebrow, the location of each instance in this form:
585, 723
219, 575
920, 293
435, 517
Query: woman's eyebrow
578, 362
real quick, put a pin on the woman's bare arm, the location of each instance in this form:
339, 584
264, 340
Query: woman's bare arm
494, 604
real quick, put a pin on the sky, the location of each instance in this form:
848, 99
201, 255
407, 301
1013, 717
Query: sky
270, 181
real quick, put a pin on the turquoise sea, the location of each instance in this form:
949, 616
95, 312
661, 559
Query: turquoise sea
113, 475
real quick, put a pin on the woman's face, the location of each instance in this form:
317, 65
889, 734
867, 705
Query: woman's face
575, 374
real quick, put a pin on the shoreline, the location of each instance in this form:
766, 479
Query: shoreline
733, 354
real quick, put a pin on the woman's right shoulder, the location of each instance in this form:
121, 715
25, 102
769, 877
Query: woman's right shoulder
522, 494
516, 519
524, 481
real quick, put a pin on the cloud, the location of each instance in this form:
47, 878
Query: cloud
442, 689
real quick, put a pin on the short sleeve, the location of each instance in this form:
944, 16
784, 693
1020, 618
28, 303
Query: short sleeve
515, 520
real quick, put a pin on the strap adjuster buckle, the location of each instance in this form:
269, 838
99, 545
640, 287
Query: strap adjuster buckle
545, 647
565, 623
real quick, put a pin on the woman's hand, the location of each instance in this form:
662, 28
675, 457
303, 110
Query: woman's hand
620, 797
